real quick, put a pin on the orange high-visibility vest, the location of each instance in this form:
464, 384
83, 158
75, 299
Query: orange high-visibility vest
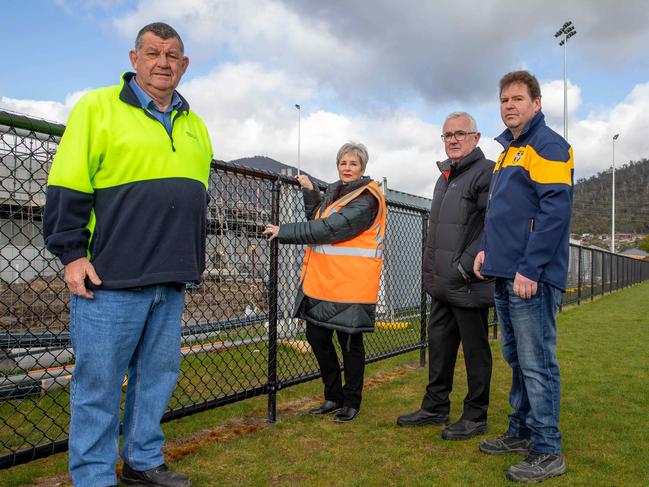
348, 271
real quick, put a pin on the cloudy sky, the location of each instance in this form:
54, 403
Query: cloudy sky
381, 72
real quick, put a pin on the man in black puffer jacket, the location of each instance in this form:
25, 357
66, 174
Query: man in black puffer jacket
460, 300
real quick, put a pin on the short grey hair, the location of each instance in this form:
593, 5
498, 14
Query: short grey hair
160, 29
472, 125
354, 148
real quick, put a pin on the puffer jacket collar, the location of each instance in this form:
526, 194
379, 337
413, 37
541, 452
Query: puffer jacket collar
461, 165
338, 189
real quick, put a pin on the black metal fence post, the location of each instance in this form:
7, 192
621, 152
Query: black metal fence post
578, 275
423, 306
592, 274
272, 309
601, 290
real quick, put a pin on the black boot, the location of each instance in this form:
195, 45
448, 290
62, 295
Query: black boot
422, 417
464, 429
326, 408
156, 477
346, 414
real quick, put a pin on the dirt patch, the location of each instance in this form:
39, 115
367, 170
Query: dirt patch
234, 428
58, 481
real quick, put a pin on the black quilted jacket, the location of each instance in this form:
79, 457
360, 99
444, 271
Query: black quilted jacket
455, 228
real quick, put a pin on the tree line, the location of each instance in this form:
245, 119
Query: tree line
591, 211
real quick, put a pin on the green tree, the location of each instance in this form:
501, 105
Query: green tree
644, 244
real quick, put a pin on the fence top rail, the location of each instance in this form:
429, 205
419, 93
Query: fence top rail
604, 251
406, 206
17, 120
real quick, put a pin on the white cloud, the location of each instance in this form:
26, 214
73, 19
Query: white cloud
553, 101
49, 110
382, 49
250, 111
592, 138
265, 32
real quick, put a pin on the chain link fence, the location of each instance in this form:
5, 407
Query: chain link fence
239, 339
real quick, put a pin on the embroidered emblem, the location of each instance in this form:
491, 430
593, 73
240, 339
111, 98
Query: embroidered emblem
518, 155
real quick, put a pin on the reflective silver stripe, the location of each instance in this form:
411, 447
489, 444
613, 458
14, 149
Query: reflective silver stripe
350, 251
341, 201
379, 238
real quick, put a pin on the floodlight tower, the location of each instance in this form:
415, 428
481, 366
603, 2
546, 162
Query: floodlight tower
565, 32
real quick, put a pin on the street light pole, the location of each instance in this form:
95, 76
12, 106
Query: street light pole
613, 199
298, 136
566, 32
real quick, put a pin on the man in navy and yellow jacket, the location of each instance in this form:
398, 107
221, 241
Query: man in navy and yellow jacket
126, 215
526, 247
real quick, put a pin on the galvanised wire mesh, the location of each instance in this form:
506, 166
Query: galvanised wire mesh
239, 339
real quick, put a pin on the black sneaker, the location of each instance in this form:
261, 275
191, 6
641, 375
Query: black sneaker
156, 477
422, 417
505, 444
537, 467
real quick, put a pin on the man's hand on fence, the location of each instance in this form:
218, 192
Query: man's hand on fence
75, 277
271, 232
523, 287
477, 265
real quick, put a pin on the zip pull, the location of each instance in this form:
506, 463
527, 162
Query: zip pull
173, 121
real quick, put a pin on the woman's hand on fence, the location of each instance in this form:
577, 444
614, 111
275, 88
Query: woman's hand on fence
304, 181
272, 231
75, 277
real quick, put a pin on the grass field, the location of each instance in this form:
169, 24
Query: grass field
605, 381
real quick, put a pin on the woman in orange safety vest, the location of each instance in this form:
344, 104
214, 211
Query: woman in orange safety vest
339, 285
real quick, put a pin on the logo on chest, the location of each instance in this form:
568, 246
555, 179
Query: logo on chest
519, 155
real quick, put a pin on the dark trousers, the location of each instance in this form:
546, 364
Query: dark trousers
448, 326
321, 341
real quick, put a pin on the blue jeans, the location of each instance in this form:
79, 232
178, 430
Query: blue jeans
529, 343
138, 330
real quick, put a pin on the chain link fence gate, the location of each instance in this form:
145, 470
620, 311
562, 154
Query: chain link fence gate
239, 339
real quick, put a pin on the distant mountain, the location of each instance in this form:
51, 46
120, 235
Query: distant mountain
271, 165
591, 212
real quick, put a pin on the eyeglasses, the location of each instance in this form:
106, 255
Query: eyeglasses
460, 135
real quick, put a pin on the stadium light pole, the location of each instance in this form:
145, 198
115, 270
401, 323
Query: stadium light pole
613, 199
299, 110
565, 32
